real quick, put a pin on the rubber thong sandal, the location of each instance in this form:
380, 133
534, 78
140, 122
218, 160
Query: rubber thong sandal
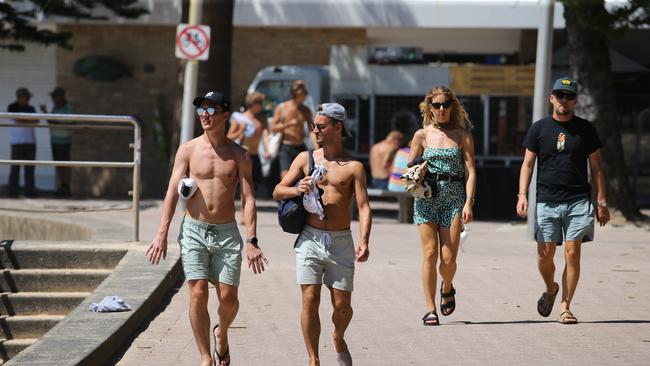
568, 318
546, 301
448, 308
216, 359
430, 318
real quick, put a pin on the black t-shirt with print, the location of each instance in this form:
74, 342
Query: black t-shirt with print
562, 149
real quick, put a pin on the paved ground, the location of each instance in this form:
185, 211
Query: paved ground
495, 321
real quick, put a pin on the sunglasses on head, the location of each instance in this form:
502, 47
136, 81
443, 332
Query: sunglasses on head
445, 105
563, 95
211, 111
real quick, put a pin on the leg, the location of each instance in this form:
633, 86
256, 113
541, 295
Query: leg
341, 317
429, 238
310, 321
14, 173
30, 154
199, 318
449, 242
571, 272
228, 307
545, 254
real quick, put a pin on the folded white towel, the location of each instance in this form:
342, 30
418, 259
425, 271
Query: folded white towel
110, 304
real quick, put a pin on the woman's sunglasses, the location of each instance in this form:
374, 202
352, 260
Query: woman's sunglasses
445, 105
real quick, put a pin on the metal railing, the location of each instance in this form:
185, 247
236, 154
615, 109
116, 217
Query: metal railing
85, 121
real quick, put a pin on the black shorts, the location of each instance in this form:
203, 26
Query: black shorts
257, 170
288, 153
61, 152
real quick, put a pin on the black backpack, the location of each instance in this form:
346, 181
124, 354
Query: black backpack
292, 213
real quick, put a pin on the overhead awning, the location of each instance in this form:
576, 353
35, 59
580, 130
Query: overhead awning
501, 14
619, 62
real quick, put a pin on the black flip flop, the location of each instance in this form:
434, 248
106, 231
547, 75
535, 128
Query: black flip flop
216, 359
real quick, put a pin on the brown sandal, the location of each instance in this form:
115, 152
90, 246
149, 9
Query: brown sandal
546, 301
567, 317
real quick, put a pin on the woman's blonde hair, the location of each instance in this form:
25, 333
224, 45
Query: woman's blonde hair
458, 117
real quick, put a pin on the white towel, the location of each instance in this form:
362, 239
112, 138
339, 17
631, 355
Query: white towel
249, 124
311, 200
110, 304
186, 188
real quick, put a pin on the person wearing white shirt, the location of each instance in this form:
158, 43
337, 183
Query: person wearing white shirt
23, 145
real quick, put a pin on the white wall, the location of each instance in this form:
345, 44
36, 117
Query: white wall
34, 69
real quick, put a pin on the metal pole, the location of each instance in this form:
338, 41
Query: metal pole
136, 181
191, 77
486, 125
542, 81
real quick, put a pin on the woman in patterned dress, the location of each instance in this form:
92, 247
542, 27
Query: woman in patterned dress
446, 145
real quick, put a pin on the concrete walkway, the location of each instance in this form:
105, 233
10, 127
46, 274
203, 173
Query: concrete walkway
495, 322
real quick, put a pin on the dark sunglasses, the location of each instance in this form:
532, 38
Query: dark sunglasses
211, 111
445, 105
321, 126
562, 95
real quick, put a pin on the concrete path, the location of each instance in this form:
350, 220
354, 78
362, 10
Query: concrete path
495, 322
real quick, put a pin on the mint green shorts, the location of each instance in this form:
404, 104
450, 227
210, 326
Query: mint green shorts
325, 257
211, 251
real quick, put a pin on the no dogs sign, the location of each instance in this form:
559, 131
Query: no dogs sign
193, 42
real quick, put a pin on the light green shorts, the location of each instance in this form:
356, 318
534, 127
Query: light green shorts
211, 251
325, 257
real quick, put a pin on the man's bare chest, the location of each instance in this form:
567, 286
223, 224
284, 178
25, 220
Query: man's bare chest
210, 166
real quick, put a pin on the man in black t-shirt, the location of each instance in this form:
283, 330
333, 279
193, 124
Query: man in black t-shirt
562, 144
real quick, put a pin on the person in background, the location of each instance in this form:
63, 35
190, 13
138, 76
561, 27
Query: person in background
289, 119
60, 140
382, 155
251, 141
23, 145
400, 164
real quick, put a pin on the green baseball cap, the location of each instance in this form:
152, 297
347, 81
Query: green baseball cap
566, 83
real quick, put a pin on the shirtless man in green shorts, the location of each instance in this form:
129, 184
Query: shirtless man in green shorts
210, 242
325, 251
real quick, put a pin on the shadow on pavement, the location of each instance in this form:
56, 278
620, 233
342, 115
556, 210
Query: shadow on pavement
161, 308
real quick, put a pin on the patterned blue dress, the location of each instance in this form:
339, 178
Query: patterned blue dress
450, 199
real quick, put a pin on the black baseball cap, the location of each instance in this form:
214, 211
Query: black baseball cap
213, 97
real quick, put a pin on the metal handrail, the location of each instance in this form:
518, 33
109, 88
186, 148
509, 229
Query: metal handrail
91, 120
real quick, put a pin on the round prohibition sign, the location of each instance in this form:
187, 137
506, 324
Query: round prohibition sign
193, 42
